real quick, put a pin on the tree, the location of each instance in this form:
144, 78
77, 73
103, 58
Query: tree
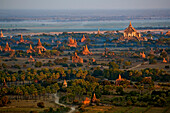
141, 88
113, 65
119, 89
4, 100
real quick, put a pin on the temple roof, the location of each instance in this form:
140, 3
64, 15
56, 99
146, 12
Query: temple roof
130, 28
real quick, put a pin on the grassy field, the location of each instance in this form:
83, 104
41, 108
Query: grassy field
25, 106
130, 109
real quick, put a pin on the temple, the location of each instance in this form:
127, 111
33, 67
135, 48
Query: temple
93, 60
98, 32
76, 59
107, 53
0, 48
167, 33
39, 46
7, 48
83, 39
72, 42
86, 51
151, 52
4, 84
164, 52
164, 60
30, 50
22, 40
86, 101
119, 80
130, 33
31, 59
94, 99
2, 35
65, 83
143, 55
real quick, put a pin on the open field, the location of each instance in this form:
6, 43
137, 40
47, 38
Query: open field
130, 109
25, 106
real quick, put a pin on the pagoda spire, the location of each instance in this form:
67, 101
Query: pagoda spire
75, 53
1, 35
39, 43
30, 47
7, 45
120, 76
98, 32
21, 37
130, 24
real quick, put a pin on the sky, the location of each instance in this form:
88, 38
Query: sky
84, 4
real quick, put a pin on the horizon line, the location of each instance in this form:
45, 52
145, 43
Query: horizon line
95, 9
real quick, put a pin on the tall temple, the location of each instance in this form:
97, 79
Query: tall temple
2, 35
94, 99
86, 101
7, 48
164, 60
39, 46
143, 55
119, 80
31, 59
83, 39
72, 42
30, 50
76, 59
130, 33
98, 32
22, 40
151, 52
86, 51
65, 83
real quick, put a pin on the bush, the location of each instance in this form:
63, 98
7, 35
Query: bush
38, 64
79, 64
64, 65
4, 101
75, 102
40, 104
33, 112
72, 65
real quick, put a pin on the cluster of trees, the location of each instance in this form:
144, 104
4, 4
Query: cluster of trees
156, 98
80, 88
4, 101
60, 74
30, 91
133, 75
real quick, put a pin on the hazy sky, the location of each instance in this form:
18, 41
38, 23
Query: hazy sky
84, 4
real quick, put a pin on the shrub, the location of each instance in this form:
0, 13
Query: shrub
40, 104
79, 64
